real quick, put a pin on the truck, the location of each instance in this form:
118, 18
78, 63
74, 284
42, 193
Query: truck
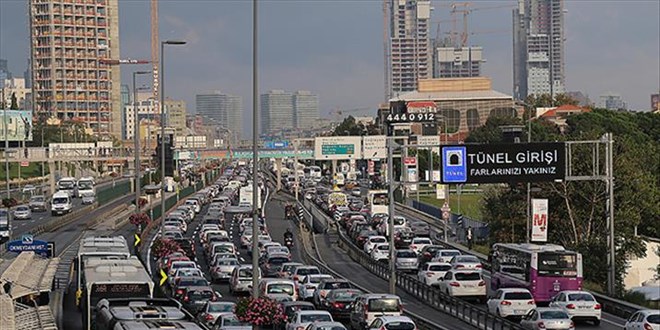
246, 195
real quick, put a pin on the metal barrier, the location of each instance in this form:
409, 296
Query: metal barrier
113, 191
610, 305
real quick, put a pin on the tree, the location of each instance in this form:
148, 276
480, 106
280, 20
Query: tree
349, 127
578, 212
545, 100
14, 102
491, 131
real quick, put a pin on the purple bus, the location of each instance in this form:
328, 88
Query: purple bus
544, 270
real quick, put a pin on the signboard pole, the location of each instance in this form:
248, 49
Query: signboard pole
390, 210
4, 128
295, 164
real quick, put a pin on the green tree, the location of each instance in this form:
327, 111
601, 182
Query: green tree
545, 100
349, 127
491, 131
14, 102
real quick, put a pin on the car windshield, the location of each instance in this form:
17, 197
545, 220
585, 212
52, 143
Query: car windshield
653, 319
449, 253
200, 295
467, 276
188, 272
399, 326
554, 315
469, 259
406, 254
580, 297
384, 305
221, 308
245, 272
399, 221
37, 199
383, 247
518, 296
193, 282
346, 295
232, 321
378, 240
22, 208
85, 185
316, 279
60, 200
280, 288
227, 262
330, 327
337, 285
315, 318
307, 271
439, 268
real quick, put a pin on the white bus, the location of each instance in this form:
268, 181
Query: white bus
86, 185
112, 279
67, 184
98, 247
379, 201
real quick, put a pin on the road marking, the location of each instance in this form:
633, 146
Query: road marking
611, 322
242, 259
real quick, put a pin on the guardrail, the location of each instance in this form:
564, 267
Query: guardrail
610, 305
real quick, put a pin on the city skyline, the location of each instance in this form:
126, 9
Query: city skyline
610, 46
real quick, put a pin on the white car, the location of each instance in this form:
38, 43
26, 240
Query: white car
466, 262
547, 318
432, 272
308, 285
645, 319
381, 252
418, 243
184, 272
511, 302
445, 255
464, 283
580, 305
373, 241
302, 319
392, 322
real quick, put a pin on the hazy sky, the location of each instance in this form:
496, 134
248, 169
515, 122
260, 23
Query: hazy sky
334, 47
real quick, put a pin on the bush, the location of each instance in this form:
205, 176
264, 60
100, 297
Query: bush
9, 202
259, 311
163, 247
139, 219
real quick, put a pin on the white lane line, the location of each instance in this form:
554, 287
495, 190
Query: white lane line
242, 259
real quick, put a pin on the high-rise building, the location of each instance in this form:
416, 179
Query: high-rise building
461, 62
27, 75
538, 48
146, 110
612, 101
176, 116
224, 109
276, 111
125, 100
69, 41
305, 109
410, 49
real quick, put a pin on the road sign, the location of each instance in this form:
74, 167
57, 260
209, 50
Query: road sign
410, 161
27, 239
25, 164
28, 243
374, 147
276, 144
338, 147
445, 211
454, 164
137, 239
163, 277
440, 191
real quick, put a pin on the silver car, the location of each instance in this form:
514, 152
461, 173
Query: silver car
88, 198
210, 312
547, 318
22, 212
406, 260
222, 269
229, 321
38, 203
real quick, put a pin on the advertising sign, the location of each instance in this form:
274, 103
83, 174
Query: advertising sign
19, 125
440, 191
410, 161
412, 177
276, 144
374, 147
429, 140
338, 147
655, 102
501, 163
539, 220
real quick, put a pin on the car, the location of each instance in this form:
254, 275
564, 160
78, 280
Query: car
287, 269
181, 284
196, 297
325, 326
466, 262
212, 309
420, 229
381, 252
38, 203
368, 307
406, 260
291, 307
229, 321
241, 279
645, 319
464, 283
304, 270
223, 268
432, 272
580, 305
301, 319
373, 241
22, 212
511, 303
88, 198
338, 302
445, 255
542, 318
29, 189
308, 285
393, 322
418, 243
327, 285
184, 272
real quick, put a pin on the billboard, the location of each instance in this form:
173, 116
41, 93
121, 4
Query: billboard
425, 140
374, 147
502, 163
539, 220
19, 125
338, 147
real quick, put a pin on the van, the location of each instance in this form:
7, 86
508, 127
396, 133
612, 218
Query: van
339, 179
368, 307
277, 288
61, 203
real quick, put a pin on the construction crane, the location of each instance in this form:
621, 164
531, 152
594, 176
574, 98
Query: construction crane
339, 113
465, 8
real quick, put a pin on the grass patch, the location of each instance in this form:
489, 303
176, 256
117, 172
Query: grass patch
470, 204
31, 171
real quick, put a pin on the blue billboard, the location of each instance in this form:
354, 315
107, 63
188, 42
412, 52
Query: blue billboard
28, 243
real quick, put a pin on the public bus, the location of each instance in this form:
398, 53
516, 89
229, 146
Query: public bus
98, 247
86, 185
67, 184
379, 201
103, 278
544, 270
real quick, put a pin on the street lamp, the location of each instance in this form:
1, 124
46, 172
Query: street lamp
136, 141
162, 121
255, 157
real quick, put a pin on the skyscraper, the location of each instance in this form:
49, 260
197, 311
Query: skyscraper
460, 62
276, 111
69, 41
305, 109
538, 48
225, 109
410, 50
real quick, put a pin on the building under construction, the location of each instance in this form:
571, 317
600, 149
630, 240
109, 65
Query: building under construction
70, 41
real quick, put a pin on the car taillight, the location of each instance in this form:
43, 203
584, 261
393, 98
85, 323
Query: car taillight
570, 306
478, 266
540, 325
456, 284
648, 326
209, 317
323, 294
460, 266
295, 278
531, 302
429, 274
597, 306
427, 255
572, 325
506, 303
482, 283
186, 298
179, 291
338, 305
413, 247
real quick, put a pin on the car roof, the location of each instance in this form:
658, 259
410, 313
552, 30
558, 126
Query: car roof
392, 318
438, 263
315, 311
549, 309
514, 290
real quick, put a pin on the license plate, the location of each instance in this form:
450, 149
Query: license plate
470, 286
585, 307
519, 311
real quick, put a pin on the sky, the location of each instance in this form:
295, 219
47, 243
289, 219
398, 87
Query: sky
334, 48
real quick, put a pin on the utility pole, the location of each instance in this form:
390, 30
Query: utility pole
390, 210
255, 160
611, 260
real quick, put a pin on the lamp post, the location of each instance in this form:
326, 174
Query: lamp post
255, 158
162, 121
136, 141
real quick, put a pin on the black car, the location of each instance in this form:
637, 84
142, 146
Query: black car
338, 302
187, 246
427, 253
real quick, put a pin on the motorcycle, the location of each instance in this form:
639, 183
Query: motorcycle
288, 242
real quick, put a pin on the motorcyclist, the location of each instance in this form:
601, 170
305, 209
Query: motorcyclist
288, 211
288, 235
